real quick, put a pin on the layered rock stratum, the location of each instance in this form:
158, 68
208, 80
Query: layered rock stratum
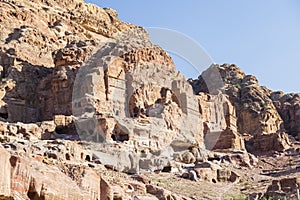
91, 109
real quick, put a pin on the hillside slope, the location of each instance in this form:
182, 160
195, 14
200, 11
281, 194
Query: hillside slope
90, 108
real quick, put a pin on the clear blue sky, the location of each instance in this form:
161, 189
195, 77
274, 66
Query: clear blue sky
260, 36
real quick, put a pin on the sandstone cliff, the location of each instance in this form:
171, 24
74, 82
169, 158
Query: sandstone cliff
258, 109
89, 105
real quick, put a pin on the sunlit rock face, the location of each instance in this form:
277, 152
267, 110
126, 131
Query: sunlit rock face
254, 107
83, 94
288, 106
132, 89
35, 32
219, 122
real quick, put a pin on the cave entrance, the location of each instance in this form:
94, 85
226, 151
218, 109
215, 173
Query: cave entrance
66, 130
4, 115
119, 134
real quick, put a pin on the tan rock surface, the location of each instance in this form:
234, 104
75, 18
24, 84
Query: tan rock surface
255, 110
288, 108
85, 97
30, 179
219, 123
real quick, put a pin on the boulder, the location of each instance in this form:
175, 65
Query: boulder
285, 187
263, 143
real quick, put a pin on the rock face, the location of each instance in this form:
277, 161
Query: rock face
255, 110
219, 122
259, 111
30, 33
269, 142
79, 73
284, 187
29, 179
124, 56
83, 94
288, 108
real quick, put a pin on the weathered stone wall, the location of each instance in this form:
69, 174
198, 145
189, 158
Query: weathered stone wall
288, 106
219, 122
255, 110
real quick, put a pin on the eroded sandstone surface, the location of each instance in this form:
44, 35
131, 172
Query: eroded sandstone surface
90, 108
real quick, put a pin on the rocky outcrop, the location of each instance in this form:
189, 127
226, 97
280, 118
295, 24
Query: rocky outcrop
161, 193
37, 28
262, 143
29, 179
258, 111
286, 187
219, 122
6, 85
288, 108
55, 90
31, 32
136, 96
86, 99
254, 106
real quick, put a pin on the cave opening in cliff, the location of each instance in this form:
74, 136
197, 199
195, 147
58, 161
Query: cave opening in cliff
32, 195
68, 157
88, 158
4, 115
136, 112
167, 169
66, 130
119, 135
